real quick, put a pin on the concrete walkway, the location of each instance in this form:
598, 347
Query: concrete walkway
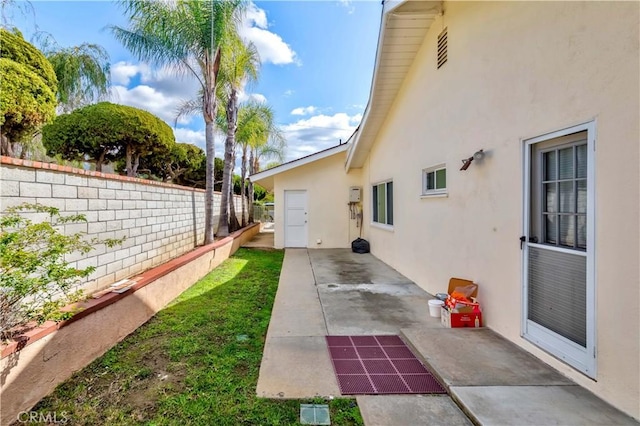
264, 239
490, 381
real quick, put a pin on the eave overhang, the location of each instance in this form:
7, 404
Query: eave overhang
403, 28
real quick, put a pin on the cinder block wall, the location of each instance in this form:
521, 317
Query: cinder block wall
160, 221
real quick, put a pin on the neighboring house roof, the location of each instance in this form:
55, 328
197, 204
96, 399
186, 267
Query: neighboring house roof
265, 178
402, 30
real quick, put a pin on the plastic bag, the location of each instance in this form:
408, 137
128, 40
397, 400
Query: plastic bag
360, 245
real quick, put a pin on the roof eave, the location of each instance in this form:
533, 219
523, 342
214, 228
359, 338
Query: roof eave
266, 177
426, 10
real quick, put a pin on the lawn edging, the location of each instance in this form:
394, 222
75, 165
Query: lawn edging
34, 365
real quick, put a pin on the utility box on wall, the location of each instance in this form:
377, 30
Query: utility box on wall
355, 194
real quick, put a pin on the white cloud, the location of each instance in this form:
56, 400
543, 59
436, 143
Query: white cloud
256, 16
289, 92
347, 4
195, 137
161, 92
149, 99
257, 97
122, 72
270, 45
318, 132
304, 110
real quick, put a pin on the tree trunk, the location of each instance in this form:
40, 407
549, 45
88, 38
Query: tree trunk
136, 163
208, 195
129, 161
100, 161
6, 148
243, 185
251, 171
227, 175
209, 106
234, 225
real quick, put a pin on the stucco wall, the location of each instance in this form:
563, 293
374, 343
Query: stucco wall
327, 188
516, 71
160, 221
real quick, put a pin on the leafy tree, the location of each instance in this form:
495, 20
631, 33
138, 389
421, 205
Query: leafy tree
35, 279
259, 192
186, 36
83, 73
170, 165
27, 90
105, 132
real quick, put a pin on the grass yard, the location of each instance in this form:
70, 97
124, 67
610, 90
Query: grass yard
196, 362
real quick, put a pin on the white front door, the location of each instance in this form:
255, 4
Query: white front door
558, 246
295, 218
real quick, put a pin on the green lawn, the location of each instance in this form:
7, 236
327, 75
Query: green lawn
195, 362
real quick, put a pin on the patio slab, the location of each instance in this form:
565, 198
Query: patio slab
342, 266
359, 309
505, 384
410, 410
537, 405
479, 357
296, 367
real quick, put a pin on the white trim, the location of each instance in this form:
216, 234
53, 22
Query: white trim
386, 197
580, 358
299, 162
421, 10
382, 226
440, 193
433, 169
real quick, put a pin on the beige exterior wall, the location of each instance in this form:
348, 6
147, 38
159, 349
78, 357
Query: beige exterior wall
327, 188
516, 71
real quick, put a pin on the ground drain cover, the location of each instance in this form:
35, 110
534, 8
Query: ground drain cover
369, 365
314, 414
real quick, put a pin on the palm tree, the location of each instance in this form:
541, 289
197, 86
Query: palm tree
240, 63
264, 140
186, 36
83, 74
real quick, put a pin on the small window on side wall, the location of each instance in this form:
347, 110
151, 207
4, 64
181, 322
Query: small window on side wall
382, 203
434, 180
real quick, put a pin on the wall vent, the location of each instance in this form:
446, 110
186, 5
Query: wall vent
442, 48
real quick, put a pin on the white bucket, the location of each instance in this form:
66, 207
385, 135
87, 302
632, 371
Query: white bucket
435, 307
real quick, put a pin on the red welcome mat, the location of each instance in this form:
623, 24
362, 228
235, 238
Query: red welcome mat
370, 365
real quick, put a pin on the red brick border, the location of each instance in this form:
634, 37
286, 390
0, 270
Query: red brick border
67, 169
92, 305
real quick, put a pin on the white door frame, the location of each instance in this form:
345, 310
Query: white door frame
287, 193
582, 359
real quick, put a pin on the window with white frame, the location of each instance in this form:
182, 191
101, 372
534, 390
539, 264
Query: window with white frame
383, 203
434, 180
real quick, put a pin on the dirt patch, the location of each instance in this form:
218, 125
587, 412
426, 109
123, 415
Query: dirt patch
150, 376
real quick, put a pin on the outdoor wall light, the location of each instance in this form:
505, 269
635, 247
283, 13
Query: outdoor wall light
466, 162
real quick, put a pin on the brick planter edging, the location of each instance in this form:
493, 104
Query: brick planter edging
92, 305
50, 355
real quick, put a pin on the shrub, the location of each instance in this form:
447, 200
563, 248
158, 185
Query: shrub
35, 278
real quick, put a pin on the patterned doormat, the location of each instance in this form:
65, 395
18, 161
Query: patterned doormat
371, 365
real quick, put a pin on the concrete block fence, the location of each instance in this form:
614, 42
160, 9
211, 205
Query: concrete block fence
160, 221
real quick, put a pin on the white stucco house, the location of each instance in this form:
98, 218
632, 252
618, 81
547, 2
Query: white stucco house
545, 97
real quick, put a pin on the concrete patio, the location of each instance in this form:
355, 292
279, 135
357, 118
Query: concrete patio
490, 381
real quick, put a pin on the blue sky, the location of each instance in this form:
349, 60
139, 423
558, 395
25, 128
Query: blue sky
317, 60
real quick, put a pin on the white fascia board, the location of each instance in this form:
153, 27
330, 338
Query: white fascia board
390, 5
376, 68
299, 162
